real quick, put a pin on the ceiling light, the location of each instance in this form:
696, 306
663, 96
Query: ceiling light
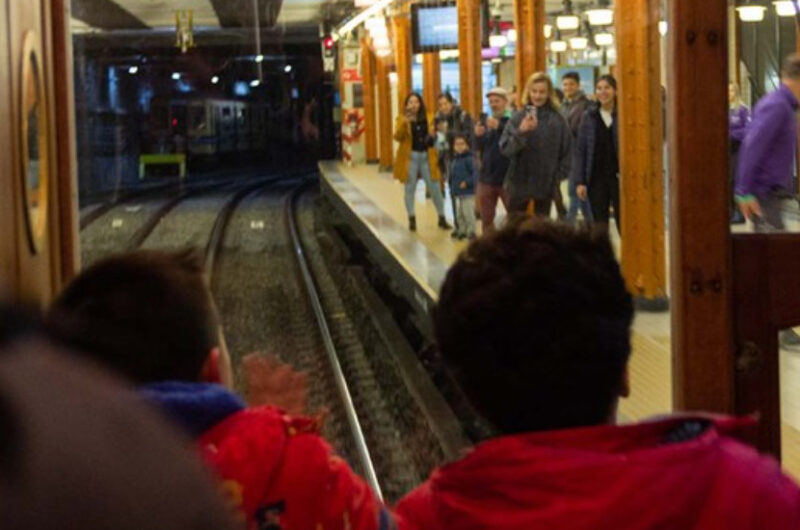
600, 17
603, 39
393, 77
418, 58
254, 83
376, 22
548, 31
362, 16
381, 42
215, 80
176, 76
512, 35
663, 28
133, 70
558, 46
751, 13
287, 68
383, 52
785, 8
497, 41
259, 58
578, 43
378, 32
568, 22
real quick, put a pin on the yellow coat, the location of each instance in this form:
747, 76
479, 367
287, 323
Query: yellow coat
402, 133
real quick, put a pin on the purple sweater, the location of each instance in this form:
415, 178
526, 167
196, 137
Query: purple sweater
739, 119
768, 151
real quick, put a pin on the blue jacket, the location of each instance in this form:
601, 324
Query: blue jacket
587, 141
767, 154
462, 175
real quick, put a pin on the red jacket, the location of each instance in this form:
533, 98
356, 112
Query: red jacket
283, 475
623, 478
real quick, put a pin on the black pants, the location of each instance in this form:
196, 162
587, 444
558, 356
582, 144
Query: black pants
541, 207
603, 195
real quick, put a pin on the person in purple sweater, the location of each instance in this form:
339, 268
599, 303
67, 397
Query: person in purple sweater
767, 155
739, 120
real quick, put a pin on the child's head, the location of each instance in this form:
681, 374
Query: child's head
460, 144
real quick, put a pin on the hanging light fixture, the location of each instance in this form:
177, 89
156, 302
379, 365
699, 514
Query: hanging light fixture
785, 8
378, 31
511, 35
604, 39
497, 41
602, 15
558, 46
567, 20
383, 52
663, 27
381, 42
751, 12
578, 43
548, 31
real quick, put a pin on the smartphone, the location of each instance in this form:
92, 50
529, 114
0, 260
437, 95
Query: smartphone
530, 110
484, 117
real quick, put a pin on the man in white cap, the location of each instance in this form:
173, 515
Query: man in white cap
494, 164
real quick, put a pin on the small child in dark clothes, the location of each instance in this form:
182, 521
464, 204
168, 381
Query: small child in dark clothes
463, 173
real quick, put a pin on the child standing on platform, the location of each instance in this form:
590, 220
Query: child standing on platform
462, 186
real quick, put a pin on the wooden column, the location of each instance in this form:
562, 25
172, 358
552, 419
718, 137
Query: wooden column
402, 56
431, 79
469, 55
529, 18
385, 124
703, 373
370, 117
641, 152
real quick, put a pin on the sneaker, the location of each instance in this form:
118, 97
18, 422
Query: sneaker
443, 223
412, 224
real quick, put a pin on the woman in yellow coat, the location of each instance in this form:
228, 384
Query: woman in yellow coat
416, 158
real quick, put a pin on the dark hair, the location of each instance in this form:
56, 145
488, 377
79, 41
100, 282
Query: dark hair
791, 66
575, 76
610, 79
533, 322
446, 95
422, 113
16, 323
462, 136
149, 315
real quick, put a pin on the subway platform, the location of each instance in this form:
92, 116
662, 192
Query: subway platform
371, 202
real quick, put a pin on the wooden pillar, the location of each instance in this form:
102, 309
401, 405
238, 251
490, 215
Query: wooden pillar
641, 152
402, 56
469, 55
431, 79
368, 85
529, 19
703, 373
385, 124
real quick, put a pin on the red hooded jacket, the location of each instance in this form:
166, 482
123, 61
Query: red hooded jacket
633, 477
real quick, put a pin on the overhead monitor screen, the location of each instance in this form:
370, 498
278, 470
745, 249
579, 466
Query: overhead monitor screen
434, 27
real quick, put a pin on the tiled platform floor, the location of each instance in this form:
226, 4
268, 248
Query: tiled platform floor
378, 200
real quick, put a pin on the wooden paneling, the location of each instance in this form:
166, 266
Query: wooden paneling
700, 233
370, 117
385, 124
469, 55
641, 150
431, 79
529, 19
9, 274
402, 56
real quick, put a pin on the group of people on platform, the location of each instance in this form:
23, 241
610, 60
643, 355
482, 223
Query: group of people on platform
520, 156
534, 324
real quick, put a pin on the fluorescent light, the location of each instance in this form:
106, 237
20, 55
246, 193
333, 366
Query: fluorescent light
367, 13
548, 31
497, 41
133, 70
751, 13
176, 76
215, 80
578, 43
663, 28
603, 39
600, 17
558, 46
512, 35
287, 68
568, 22
254, 83
259, 58
785, 8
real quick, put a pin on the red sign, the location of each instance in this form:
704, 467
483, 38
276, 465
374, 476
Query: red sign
351, 75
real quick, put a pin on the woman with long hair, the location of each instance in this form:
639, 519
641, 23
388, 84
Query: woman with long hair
538, 141
596, 172
416, 157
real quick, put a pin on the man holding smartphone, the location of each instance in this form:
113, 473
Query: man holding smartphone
494, 165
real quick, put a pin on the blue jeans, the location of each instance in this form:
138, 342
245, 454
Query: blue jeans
419, 165
576, 204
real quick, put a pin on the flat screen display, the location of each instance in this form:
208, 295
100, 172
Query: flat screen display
434, 27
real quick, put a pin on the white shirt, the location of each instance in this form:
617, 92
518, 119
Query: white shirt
608, 118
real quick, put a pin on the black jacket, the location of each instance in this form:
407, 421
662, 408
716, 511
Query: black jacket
494, 164
587, 140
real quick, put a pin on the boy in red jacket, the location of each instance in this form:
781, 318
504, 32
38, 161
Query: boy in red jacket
534, 323
150, 316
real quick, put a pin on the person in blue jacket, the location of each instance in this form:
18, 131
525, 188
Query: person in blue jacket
463, 174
